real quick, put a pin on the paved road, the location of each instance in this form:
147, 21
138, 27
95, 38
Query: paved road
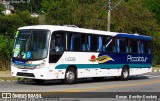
143, 83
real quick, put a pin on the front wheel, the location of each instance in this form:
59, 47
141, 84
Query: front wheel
70, 76
125, 74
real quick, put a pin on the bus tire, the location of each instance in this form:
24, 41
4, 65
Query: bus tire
70, 76
39, 81
125, 73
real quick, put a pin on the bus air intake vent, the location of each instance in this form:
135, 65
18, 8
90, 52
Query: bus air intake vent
25, 74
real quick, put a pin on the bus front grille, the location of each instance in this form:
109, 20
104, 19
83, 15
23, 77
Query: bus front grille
25, 74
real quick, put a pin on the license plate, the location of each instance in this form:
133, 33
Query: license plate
24, 70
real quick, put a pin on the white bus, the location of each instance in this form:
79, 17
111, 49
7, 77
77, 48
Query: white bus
49, 52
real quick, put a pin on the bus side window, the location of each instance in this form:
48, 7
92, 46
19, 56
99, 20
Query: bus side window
130, 45
134, 46
149, 47
122, 45
75, 44
139, 46
83, 37
118, 45
146, 47
71, 42
114, 45
94, 41
88, 43
100, 43
142, 47
108, 44
127, 46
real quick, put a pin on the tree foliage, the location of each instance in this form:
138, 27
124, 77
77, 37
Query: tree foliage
1, 9
6, 44
133, 17
10, 23
60, 12
33, 6
154, 6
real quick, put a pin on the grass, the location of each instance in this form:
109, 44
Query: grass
157, 67
8, 72
6, 76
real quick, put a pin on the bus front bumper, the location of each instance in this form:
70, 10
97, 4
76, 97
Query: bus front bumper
29, 73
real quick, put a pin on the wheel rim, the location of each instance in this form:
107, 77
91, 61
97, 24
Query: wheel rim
125, 73
70, 76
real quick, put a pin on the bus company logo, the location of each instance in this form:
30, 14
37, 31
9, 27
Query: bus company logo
136, 59
100, 59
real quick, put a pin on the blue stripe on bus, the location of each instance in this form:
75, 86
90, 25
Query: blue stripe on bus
103, 66
132, 36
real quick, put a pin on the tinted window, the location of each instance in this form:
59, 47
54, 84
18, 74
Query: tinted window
134, 46
57, 46
100, 43
147, 47
108, 44
75, 42
83, 39
121, 45
92, 43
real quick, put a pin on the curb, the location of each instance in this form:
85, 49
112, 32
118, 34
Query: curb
1, 80
12, 79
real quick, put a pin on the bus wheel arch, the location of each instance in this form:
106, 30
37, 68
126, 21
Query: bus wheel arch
71, 75
125, 73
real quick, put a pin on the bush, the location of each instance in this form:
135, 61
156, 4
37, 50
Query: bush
10, 23
6, 45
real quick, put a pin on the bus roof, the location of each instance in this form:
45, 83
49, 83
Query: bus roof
53, 28
134, 36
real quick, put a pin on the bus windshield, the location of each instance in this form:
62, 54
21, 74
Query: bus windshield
31, 44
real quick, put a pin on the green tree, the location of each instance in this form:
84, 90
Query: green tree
33, 6
60, 12
133, 17
27, 19
6, 45
154, 6
10, 23
1, 9
45, 4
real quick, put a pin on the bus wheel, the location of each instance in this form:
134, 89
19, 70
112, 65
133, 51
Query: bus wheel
125, 74
70, 76
39, 81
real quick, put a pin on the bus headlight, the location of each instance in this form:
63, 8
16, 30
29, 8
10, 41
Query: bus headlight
42, 65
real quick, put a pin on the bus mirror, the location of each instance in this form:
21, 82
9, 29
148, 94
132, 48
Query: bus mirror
16, 34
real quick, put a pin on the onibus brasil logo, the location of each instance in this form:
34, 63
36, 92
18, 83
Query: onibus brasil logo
100, 59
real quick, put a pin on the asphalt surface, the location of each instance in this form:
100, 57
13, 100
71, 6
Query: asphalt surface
89, 90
